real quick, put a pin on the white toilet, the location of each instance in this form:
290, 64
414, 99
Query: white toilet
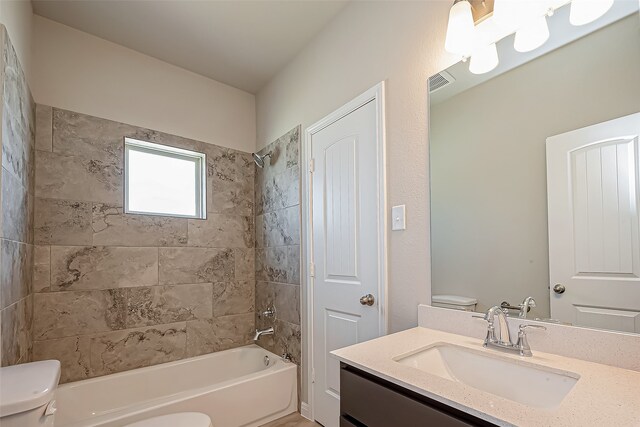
179, 419
27, 394
454, 301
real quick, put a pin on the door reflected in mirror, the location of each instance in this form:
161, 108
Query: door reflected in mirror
535, 177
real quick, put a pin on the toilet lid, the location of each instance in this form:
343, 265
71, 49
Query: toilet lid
180, 419
27, 386
453, 299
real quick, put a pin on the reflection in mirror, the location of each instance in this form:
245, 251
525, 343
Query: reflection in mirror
535, 177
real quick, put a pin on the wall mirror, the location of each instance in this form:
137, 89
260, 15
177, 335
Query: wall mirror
535, 185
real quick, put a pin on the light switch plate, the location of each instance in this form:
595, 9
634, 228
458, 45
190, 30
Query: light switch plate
398, 218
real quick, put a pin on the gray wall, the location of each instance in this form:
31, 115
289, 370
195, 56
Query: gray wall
114, 291
488, 163
277, 191
16, 232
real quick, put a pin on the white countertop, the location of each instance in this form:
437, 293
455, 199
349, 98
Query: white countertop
603, 396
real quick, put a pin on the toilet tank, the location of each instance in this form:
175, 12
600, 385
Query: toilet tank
27, 394
455, 302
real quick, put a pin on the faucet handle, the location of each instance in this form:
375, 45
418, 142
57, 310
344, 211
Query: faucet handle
523, 343
270, 312
523, 327
491, 332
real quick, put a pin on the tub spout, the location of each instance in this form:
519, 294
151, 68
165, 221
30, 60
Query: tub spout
268, 331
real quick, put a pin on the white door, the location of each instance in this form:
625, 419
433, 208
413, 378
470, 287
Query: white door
594, 250
345, 222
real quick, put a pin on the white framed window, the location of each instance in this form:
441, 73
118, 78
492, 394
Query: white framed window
163, 180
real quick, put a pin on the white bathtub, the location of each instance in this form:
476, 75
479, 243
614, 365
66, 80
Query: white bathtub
234, 387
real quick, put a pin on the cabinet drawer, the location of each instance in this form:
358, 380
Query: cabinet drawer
373, 404
344, 422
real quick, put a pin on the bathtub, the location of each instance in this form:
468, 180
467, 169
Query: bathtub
234, 387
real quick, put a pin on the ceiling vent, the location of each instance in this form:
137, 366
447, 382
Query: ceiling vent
440, 80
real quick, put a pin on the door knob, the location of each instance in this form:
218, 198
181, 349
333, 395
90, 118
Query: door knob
559, 289
367, 299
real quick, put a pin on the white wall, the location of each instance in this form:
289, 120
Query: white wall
489, 198
80, 72
402, 43
17, 17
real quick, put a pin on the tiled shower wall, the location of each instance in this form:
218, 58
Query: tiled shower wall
114, 291
16, 232
277, 193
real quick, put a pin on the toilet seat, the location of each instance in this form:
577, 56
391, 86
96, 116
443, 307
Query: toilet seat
180, 419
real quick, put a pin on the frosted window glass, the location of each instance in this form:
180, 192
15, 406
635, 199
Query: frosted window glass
163, 183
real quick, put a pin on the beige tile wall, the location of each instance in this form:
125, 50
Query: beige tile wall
16, 208
277, 191
115, 291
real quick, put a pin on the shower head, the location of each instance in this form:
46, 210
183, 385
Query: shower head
260, 159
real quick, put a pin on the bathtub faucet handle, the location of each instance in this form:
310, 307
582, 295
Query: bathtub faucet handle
270, 312
286, 357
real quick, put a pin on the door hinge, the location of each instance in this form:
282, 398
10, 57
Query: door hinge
312, 270
313, 375
312, 165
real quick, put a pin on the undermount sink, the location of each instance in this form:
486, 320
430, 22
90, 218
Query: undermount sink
515, 380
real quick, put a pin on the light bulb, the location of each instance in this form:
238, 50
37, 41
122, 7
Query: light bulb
506, 12
516, 13
532, 35
460, 29
484, 59
585, 11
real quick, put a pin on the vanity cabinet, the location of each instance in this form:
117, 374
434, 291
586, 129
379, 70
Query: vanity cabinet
367, 400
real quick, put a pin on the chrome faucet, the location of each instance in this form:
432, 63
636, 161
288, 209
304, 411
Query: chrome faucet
526, 305
504, 342
268, 331
505, 336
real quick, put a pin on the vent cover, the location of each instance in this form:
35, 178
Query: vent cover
440, 80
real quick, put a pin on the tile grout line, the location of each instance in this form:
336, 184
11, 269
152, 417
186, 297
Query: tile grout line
110, 331
50, 273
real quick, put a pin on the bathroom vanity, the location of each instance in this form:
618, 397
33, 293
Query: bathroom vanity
389, 404
533, 183
422, 376
520, 161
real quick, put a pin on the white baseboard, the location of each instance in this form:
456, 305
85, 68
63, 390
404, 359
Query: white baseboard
305, 410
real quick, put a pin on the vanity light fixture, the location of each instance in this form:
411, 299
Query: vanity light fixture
460, 29
484, 59
512, 13
527, 18
584, 11
533, 35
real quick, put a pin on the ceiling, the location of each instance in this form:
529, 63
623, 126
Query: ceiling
242, 43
